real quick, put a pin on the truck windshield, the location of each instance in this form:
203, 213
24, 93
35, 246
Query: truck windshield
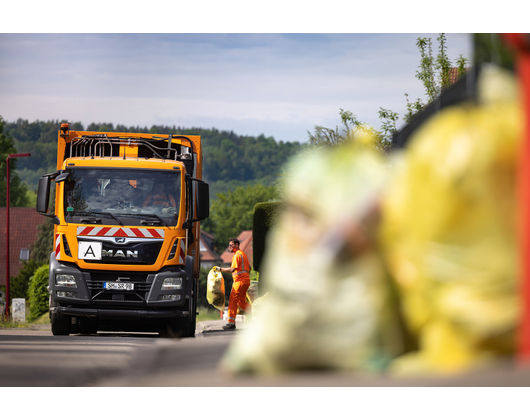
122, 196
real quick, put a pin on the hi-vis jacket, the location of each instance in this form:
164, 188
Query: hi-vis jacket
242, 266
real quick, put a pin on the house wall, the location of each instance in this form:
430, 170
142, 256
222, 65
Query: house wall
23, 229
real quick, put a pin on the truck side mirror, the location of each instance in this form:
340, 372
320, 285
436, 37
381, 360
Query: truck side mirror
43, 194
62, 177
203, 200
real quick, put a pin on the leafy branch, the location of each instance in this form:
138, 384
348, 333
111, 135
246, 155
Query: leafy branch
435, 74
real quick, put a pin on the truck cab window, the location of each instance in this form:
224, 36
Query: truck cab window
122, 192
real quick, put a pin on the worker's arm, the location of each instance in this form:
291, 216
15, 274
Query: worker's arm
226, 269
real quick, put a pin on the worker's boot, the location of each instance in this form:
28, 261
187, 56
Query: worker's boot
229, 327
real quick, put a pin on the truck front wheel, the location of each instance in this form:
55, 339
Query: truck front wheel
60, 323
181, 327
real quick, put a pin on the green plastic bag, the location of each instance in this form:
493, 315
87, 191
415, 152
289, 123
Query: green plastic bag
328, 305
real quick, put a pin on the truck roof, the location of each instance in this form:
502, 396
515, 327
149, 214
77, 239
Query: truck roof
159, 148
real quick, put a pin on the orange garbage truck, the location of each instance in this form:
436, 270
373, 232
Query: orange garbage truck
127, 215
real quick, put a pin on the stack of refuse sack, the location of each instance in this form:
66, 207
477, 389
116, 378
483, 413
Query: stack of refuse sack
404, 264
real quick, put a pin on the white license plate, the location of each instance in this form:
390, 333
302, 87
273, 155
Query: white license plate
118, 286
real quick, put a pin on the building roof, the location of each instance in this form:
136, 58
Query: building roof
207, 253
208, 238
23, 231
453, 74
245, 244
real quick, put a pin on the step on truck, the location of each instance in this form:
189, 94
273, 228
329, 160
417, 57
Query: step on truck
127, 215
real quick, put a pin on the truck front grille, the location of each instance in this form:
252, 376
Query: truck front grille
136, 297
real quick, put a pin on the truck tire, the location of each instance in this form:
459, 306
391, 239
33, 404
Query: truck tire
60, 323
88, 326
182, 327
174, 328
191, 320
179, 327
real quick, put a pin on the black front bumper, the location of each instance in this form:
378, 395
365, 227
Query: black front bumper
121, 314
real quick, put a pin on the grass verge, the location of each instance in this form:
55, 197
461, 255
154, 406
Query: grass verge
44, 319
208, 314
205, 314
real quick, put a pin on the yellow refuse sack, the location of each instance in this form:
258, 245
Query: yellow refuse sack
215, 290
449, 233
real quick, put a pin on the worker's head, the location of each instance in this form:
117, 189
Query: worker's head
233, 245
158, 188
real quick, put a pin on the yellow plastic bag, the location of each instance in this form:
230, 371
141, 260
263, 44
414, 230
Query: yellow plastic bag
215, 290
449, 233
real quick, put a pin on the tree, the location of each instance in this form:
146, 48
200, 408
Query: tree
233, 212
17, 189
18, 286
43, 245
230, 160
38, 292
434, 73
382, 139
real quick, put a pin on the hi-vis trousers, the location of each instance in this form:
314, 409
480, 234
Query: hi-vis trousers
237, 298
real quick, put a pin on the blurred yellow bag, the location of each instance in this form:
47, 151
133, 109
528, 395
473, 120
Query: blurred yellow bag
449, 232
215, 290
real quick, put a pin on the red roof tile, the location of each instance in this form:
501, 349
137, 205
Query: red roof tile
207, 253
23, 231
453, 74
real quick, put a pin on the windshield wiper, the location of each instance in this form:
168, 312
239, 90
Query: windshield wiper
146, 222
97, 220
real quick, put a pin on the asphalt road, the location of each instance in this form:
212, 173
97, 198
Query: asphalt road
35, 358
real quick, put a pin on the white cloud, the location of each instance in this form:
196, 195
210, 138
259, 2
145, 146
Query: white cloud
280, 85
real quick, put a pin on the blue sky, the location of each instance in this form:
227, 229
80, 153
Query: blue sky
280, 85
259, 79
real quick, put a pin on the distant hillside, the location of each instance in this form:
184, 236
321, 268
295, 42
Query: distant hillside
230, 160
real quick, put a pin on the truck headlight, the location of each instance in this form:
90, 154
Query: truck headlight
172, 283
65, 280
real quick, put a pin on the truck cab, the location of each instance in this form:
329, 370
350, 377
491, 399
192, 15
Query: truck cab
127, 218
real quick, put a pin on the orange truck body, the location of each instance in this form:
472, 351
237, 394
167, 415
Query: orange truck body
123, 260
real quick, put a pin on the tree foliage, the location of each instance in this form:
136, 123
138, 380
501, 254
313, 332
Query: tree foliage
18, 196
38, 292
230, 160
233, 212
43, 245
18, 286
434, 73
382, 139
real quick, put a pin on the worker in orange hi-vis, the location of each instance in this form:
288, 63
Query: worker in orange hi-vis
240, 270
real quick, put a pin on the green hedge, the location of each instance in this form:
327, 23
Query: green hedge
265, 215
38, 292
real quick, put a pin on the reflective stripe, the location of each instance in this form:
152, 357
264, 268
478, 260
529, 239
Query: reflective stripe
242, 272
